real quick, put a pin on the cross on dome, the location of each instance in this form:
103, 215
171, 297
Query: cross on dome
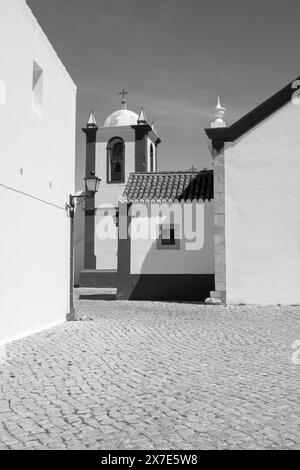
123, 93
123, 116
123, 102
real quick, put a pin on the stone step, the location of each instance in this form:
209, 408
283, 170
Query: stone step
213, 301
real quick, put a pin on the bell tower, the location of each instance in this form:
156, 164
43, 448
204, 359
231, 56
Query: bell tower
126, 143
146, 142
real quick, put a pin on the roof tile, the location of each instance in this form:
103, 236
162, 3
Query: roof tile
169, 186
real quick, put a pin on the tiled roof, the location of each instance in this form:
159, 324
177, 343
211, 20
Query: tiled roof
169, 186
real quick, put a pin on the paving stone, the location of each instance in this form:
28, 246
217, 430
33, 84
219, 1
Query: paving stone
155, 375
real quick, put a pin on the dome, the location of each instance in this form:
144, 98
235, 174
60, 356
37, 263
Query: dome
122, 117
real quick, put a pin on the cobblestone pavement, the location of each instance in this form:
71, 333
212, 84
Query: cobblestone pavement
147, 375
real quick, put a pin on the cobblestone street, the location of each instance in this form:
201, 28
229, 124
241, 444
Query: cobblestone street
146, 375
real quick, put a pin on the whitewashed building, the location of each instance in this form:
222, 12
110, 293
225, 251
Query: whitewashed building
166, 245
251, 249
37, 167
123, 153
257, 203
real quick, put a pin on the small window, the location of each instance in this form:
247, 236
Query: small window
116, 218
37, 89
116, 161
2, 92
167, 237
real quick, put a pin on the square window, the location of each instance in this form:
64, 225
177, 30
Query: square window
167, 237
37, 89
2, 92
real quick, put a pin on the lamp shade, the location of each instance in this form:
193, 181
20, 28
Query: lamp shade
92, 183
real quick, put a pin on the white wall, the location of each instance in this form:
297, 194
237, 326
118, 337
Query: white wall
79, 241
147, 259
109, 193
262, 212
37, 166
106, 241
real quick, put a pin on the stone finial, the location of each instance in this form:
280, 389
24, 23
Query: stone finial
219, 114
91, 121
142, 117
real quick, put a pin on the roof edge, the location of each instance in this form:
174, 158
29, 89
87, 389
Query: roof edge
126, 200
254, 117
175, 172
32, 19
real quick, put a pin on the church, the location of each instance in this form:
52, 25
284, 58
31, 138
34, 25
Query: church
248, 219
124, 154
126, 143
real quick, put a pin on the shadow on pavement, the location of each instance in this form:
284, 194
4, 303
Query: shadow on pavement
97, 297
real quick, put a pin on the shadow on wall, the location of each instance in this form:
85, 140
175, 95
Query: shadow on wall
167, 275
168, 286
78, 244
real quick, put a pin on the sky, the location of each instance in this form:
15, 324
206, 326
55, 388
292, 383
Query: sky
174, 57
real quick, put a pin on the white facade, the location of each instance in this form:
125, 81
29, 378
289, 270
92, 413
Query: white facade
262, 212
147, 258
37, 167
107, 199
